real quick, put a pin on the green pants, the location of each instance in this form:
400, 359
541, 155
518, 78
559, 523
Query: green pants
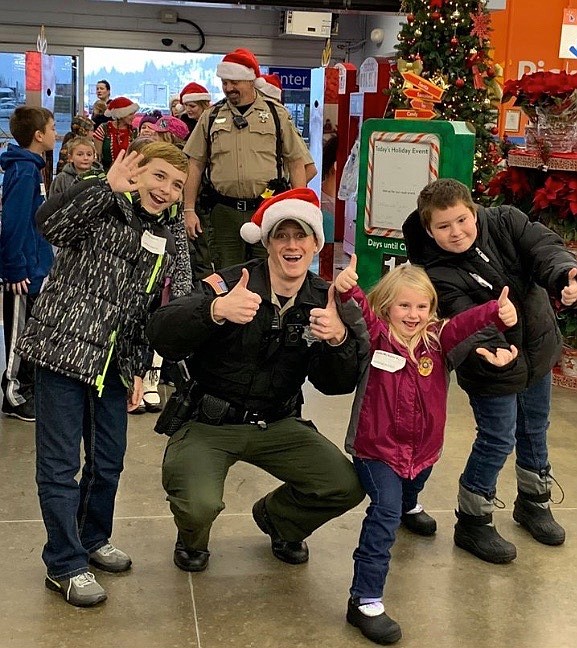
227, 246
320, 482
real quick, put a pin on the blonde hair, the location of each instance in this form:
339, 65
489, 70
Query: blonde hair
79, 141
165, 151
171, 138
99, 107
382, 296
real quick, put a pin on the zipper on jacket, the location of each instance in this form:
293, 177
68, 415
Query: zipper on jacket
155, 272
100, 378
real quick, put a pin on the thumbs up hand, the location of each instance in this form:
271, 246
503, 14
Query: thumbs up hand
325, 322
239, 305
507, 311
347, 278
569, 293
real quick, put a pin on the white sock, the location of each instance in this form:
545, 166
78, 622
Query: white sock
415, 510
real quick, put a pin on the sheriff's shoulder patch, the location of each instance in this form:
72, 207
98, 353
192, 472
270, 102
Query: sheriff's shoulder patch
217, 283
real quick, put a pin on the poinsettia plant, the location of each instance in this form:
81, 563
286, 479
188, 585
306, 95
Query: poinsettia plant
544, 93
550, 198
556, 204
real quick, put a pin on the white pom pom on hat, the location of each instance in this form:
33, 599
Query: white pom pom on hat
300, 205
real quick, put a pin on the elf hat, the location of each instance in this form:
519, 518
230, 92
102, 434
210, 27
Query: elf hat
240, 65
300, 205
270, 85
194, 92
120, 107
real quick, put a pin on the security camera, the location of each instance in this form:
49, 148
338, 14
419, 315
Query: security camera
167, 42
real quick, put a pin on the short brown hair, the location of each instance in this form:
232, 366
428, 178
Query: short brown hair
25, 121
167, 152
442, 194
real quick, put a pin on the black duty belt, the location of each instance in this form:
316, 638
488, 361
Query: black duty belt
215, 411
240, 204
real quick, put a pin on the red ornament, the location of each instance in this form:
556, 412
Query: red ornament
436, 3
411, 19
480, 187
481, 25
494, 130
454, 41
490, 72
435, 15
460, 83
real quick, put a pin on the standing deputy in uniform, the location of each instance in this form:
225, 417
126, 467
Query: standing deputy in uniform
241, 145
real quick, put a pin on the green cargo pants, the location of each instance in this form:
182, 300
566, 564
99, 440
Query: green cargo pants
227, 247
320, 482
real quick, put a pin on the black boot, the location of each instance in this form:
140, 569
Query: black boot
380, 628
420, 523
477, 535
294, 553
537, 520
190, 561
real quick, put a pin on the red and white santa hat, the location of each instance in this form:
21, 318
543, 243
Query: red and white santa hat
121, 107
240, 65
299, 205
194, 92
270, 85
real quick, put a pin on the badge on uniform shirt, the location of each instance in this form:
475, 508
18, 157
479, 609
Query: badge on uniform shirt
263, 116
425, 367
217, 283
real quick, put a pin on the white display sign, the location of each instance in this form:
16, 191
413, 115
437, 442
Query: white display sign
400, 170
368, 74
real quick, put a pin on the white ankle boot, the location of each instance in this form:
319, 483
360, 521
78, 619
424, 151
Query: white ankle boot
150, 383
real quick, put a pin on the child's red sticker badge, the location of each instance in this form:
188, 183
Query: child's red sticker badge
425, 366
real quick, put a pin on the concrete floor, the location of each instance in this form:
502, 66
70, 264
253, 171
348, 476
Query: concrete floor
439, 594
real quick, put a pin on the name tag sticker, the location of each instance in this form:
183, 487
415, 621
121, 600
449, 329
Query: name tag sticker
220, 120
152, 243
388, 361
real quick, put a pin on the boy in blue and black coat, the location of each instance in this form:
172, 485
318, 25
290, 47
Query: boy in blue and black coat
25, 256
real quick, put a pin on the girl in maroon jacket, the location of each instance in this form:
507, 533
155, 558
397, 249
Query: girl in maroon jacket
397, 424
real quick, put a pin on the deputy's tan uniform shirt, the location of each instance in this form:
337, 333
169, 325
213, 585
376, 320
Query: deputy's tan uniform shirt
243, 160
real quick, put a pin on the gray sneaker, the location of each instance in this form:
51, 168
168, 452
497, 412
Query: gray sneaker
81, 590
109, 558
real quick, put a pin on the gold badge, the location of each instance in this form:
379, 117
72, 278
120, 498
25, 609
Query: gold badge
263, 116
425, 366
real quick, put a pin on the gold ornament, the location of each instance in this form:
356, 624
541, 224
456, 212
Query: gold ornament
418, 32
440, 80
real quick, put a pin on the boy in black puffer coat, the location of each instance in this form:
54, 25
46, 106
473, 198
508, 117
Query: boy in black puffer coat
470, 254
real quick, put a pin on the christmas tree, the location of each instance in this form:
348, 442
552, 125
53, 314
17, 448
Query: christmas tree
447, 42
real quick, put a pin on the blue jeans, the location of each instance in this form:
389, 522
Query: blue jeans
505, 423
390, 496
77, 517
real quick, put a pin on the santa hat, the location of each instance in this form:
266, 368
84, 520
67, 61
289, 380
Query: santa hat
270, 85
194, 92
175, 99
299, 205
172, 125
120, 107
240, 65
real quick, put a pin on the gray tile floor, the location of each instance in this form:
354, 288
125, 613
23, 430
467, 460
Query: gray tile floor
440, 595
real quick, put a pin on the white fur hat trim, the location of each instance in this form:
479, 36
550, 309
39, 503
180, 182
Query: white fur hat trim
234, 72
